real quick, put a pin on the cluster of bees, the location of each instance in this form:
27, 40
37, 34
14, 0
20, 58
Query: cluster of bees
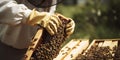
50, 46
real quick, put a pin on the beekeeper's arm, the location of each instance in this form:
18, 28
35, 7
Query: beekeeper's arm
12, 13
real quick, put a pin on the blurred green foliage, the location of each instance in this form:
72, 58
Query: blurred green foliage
94, 19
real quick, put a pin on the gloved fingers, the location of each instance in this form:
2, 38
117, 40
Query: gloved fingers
43, 21
70, 30
56, 20
53, 26
53, 23
49, 29
61, 17
70, 27
70, 23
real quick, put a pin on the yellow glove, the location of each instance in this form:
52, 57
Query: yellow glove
44, 19
70, 25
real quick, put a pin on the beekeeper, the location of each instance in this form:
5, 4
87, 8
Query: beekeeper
18, 24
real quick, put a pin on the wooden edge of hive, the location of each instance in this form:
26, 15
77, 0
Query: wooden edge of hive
33, 45
93, 42
118, 39
78, 50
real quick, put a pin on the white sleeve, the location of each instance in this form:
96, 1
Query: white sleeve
13, 13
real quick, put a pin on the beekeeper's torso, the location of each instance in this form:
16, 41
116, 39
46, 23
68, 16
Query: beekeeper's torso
13, 28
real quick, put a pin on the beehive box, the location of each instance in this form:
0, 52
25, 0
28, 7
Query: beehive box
72, 49
102, 49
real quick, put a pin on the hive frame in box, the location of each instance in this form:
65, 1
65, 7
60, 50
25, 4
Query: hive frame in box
103, 43
72, 49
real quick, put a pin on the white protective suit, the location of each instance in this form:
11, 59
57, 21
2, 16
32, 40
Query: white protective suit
14, 32
13, 28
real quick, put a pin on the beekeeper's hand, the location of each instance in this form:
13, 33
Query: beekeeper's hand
46, 20
70, 25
